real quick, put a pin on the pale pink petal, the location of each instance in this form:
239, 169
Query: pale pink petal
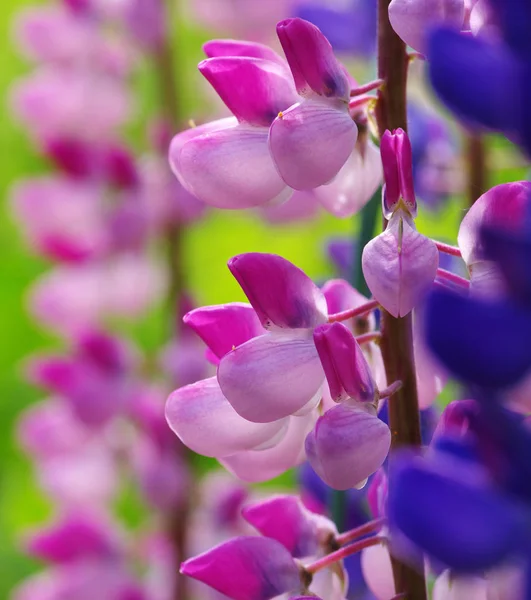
281, 294
378, 571
431, 375
253, 89
256, 466
400, 265
204, 421
302, 206
354, 185
271, 376
412, 19
311, 141
224, 326
459, 587
347, 445
228, 168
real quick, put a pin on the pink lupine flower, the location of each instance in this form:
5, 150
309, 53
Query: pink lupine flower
55, 102
145, 22
285, 519
400, 264
62, 218
246, 567
321, 120
412, 19
276, 374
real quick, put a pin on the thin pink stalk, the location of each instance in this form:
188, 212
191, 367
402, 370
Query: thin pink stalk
354, 534
447, 249
390, 390
360, 101
367, 87
354, 312
453, 278
342, 553
368, 337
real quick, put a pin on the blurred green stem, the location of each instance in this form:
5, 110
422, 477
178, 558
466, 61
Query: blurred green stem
476, 153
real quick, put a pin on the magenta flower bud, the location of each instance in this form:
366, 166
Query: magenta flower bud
412, 19
400, 265
397, 162
246, 567
345, 367
312, 61
74, 157
285, 519
281, 294
347, 445
119, 167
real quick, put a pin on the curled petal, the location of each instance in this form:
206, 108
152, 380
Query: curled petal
347, 446
215, 48
227, 168
246, 567
281, 294
204, 421
255, 90
400, 266
345, 367
225, 326
311, 141
354, 185
271, 377
504, 206
262, 465
397, 161
311, 60
285, 518
412, 19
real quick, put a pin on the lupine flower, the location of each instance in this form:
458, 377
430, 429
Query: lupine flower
400, 264
412, 19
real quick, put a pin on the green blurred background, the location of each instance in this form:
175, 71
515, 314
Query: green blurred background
208, 245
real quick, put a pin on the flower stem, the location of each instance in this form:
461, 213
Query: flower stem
359, 311
447, 249
368, 337
368, 87
389, 390
354, 534
342, 553
453, 278
397, 336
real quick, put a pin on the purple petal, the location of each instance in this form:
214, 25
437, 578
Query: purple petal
285, 519
227, 168
246, 567
400, 266
345, 367
204, 421
271, 377
215, 48
311, 60
225, 326
281, 294
354, 185
311, 141
412, 19
504, 206
254, 90
347, 446
256, 466
397, 161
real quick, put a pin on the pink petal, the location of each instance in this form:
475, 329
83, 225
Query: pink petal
215, 48
378, 571
460, 587
347, 445
311, 60
204, 421
302, 206
256, 466
281, 294
400, 265
340, 296
397, 161
228, 168
347, 372
254, 90
271, 376
354, 185
431, 375
412, 19
246, 567
285, 519
504, 205
311, 141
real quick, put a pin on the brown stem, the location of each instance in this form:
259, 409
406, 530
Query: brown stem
397, 338
477, 169
177, 520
